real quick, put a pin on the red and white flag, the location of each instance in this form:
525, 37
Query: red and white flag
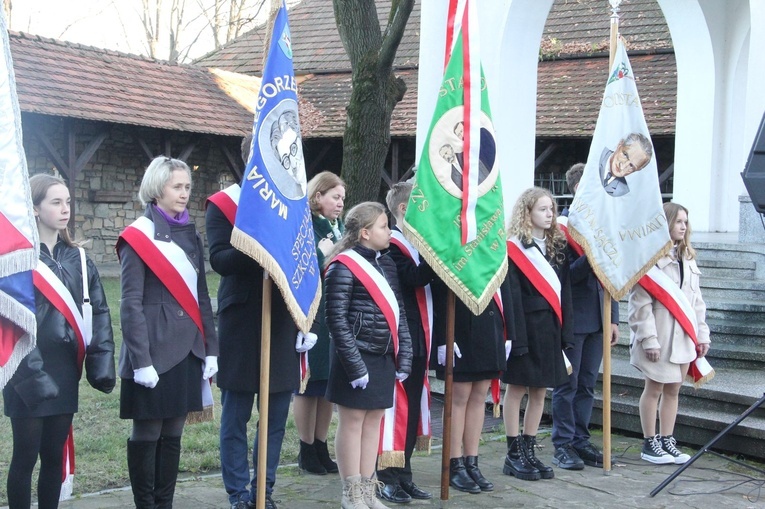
19, 244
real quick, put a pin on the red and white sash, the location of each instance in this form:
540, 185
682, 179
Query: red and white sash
424, 297
58, 295
538, 270
563, 223
496, 386
168, 261
227, 201
393, 426
661, 287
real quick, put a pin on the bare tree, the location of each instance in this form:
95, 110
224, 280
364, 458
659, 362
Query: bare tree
375, 90
227, 19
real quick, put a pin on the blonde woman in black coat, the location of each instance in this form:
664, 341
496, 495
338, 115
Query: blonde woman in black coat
169, 341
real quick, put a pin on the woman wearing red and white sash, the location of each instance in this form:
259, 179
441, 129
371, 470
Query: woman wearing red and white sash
372, 350
659, 346
414, 276
41, 397
539, 270
169, 341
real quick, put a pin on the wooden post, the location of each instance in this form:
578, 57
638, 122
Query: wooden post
263, 400
448, 376
606, 293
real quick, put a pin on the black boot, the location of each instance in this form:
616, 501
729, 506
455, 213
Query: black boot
459, 478
166, 471
141, 459
323, 454
531, 443
308, 460
471, 465
516, 462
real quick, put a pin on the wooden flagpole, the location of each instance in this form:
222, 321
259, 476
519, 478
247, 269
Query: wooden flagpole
265, 334
606, 294
448, 379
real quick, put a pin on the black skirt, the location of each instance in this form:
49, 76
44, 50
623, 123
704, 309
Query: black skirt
469, 376
379, 391
178, 392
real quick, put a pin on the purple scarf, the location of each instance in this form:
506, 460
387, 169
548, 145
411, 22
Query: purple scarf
179, 220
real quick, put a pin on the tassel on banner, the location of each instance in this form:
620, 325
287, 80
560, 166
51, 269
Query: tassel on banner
390, 459
423, 443
207, 413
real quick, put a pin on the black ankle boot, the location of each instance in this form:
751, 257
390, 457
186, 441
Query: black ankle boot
516, 462
531, 444
471, 465
459, 479
166, 471
323, 454
141, 459
308, 460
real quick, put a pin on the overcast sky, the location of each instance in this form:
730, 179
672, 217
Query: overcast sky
112, 24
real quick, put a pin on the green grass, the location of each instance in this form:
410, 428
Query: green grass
100, 435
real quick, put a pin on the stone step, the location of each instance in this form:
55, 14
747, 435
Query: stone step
713, 288
721, 355
739, 252
724, 268
702, 412
752, 311
731, 332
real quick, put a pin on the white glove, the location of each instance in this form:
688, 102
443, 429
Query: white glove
508, 349
361, 383
305, 342
401, 376
325, 246
210, 367
147, 376
442, 354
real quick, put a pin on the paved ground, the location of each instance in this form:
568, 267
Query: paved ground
710, 482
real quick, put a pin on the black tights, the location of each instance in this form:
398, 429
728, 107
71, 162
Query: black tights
33, 437
149, 430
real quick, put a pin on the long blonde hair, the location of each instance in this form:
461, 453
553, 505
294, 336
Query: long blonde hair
520, 224
38, 187
358, 218
684, 249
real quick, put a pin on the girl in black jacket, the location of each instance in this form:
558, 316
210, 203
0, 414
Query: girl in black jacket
368, 356
41, 398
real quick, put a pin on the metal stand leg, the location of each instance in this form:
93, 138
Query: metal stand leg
711, 443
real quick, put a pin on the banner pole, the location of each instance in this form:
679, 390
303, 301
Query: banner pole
606, 294
448, 378
263, 399
265, 332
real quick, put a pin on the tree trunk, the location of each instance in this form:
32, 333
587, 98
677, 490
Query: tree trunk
376, 91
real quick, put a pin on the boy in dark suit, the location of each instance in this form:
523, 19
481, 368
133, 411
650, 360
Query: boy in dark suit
572, 402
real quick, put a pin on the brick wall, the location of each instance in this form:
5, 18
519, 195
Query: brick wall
106, 193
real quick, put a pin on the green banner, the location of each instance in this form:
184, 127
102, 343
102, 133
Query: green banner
432, 222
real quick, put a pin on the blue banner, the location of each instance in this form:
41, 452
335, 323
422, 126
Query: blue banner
273, 221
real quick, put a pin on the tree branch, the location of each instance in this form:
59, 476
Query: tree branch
394, 32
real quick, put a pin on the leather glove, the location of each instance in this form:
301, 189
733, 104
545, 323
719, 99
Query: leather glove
210, 367
147, 376
361, 383
508, 349
401, 376
442, 354
305, 342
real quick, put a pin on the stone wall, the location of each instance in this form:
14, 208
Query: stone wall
106, 193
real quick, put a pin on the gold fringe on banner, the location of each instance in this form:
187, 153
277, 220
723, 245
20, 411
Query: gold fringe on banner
390, 459
257, 252
617, 293
476, 304
207, 414
423, 443
701, 381
496, 412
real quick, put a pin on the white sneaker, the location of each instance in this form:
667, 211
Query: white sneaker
654, 453
669, 444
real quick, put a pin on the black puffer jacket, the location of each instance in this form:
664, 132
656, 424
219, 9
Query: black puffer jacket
356, 323
47, 380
